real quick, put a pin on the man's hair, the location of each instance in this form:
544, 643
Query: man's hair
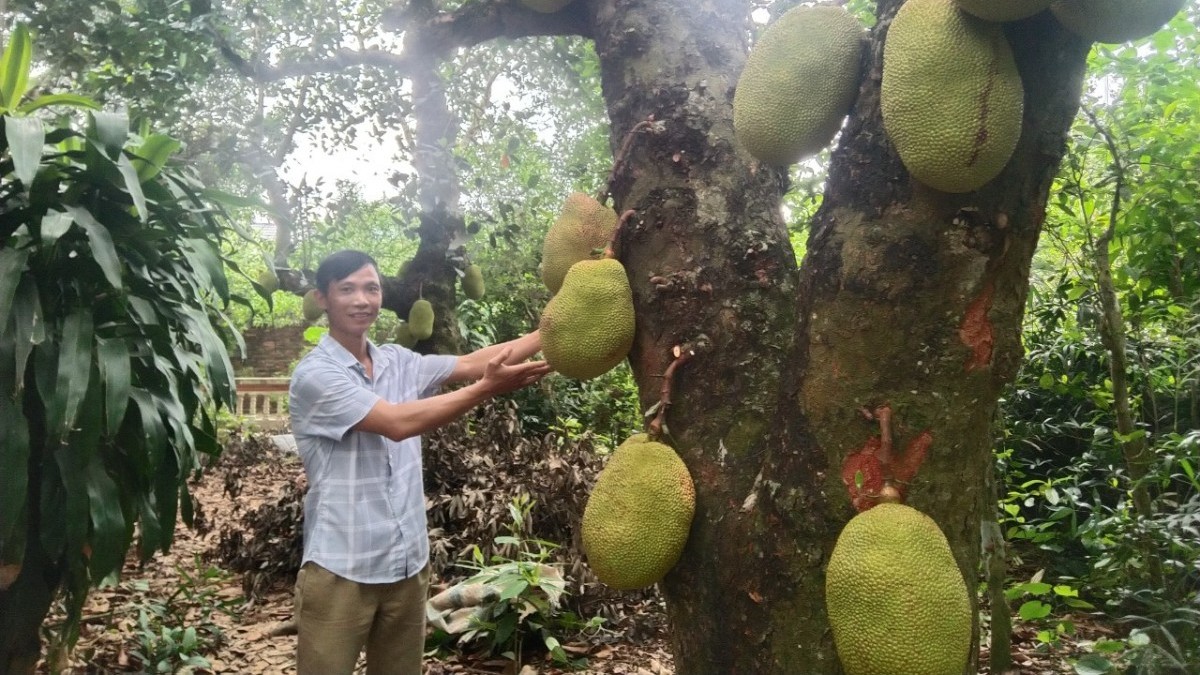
339, 265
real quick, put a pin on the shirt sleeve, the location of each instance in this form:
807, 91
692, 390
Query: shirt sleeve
325, 401
433, 371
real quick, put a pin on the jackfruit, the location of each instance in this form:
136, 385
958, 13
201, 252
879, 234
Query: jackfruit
587, 327
472, 282
1113, 21
896, 599
268, 281
404, 336
420, 319
312, 309
1003, 10
583, 226
951, 96
638, 515
545, 6
799, 82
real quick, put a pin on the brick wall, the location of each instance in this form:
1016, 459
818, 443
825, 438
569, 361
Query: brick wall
271, 351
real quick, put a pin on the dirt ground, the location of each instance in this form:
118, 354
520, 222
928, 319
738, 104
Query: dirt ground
152, 605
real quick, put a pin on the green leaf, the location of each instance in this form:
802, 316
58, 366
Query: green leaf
102, 244
1034, 609
73, 100
206, 263
29, 329
234, 201
14, 457
74, 366
112, 130
219, 367
109, 535
26, 136
1093, 664
14, 68
152, 155
54, 225
133, 185
12, 264
113, 355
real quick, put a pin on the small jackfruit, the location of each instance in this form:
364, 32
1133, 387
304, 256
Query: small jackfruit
1003, 10
312, 308
404, 336
896, 599
472, 282
800, 80
951, 95
587, 327
1114, 21
545, 6
638, 515
583, 227
268, 281
420, 319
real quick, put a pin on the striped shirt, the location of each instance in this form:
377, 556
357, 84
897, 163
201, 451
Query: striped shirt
364, 515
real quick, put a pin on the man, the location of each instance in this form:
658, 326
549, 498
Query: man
357, 411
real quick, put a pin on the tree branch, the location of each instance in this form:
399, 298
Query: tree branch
437, 37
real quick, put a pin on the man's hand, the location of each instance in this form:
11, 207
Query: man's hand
499, 378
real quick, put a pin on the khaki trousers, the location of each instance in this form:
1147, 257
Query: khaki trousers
336, 617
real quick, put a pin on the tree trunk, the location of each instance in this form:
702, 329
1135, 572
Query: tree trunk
908, 298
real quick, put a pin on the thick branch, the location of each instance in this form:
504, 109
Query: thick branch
437, 37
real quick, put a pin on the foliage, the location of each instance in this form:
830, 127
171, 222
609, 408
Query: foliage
111, 349
177, 631
528, 604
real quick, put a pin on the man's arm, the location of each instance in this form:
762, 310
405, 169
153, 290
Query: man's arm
399, 421
471, 367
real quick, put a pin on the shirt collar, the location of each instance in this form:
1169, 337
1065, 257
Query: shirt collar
344, 358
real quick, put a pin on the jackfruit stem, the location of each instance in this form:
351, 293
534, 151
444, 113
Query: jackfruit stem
622, 154
683, 353
610, 251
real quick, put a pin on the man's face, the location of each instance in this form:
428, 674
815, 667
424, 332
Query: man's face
353, 303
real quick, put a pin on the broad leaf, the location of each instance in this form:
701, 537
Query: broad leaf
14, 68
12, 265
102, 244
14, 454
109, 540
133, 185
112, 130
152, 155
113, 356
29, 329
73, 100
74, 366
54, 225
26, 136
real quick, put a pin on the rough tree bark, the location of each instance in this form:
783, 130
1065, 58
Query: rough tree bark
908, 298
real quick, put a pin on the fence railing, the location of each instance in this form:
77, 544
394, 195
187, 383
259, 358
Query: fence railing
262, 399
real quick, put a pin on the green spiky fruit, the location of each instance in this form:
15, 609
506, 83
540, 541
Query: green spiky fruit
420, 319
545, 6
268, 281
312, 308
587, 327
638, 515
404, 336
951, 96
896, 599
1003, 10
472, 282
1114, 21
798, 84
583, 227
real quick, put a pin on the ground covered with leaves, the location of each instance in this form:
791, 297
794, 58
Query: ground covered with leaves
221, 600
